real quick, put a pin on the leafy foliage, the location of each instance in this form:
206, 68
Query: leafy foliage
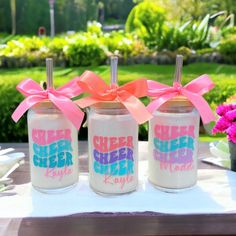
228, 48
156, 32
124, 44
147, 20
82, 48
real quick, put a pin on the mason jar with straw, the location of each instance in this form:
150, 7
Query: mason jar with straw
53, 145
113, 145
173, 139
114, 114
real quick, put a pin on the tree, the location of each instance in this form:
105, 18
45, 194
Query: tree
117, 10
13, 16
5, 16
183, 10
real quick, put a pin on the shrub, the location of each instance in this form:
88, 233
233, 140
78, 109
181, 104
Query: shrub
147, 20
80, 49
228, 49
56, 46
227, 31
84, 50
197, 33
173, 38
25, 51
186, 52
192, 34
205, 51
126, 44
222, 90
94, 27
11, 131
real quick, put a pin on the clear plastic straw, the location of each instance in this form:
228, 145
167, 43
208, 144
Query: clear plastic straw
49, 68
178, 68
114, 64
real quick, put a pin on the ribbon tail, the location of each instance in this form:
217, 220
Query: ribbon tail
154, 105
69, 109
200, 85
136, 109
26, 104
201, 105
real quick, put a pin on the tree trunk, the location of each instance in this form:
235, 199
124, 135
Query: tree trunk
13, 16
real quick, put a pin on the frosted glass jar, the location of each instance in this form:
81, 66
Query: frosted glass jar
53, 149
113, 149
173, 145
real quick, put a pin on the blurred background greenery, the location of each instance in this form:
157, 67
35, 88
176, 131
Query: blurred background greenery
146, 35
87, 32
74, 14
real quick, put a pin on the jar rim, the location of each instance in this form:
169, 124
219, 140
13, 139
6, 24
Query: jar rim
108, 105
44, 104
177, 101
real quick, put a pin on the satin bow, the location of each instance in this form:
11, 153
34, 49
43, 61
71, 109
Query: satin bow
127, 94
193, 91
59, 97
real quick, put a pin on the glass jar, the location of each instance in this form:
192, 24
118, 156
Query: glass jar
113, 149
53, 149
173, 145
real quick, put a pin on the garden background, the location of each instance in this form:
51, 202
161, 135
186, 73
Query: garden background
146, 35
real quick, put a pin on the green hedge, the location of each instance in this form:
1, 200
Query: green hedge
138, 46
11, 131
228, 48
81, 49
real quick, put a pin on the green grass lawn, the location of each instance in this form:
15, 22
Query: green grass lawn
220, 74
161, 73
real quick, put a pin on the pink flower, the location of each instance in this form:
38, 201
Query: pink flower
222, 109
221, 126
227, 121
232, 133
231, 115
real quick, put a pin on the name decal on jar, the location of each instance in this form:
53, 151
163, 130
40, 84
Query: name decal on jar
113, 158
52, 151
174, 146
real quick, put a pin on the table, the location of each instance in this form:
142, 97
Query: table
147, 223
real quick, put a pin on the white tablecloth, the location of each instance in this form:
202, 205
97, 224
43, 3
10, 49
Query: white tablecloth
215, 193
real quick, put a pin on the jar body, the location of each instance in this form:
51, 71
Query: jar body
53, 149
113, 151
173, 148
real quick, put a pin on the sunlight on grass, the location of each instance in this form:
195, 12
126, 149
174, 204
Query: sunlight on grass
161, 73
207, 138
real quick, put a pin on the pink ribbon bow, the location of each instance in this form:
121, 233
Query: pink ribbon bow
193, 91
127, 94
59, 97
